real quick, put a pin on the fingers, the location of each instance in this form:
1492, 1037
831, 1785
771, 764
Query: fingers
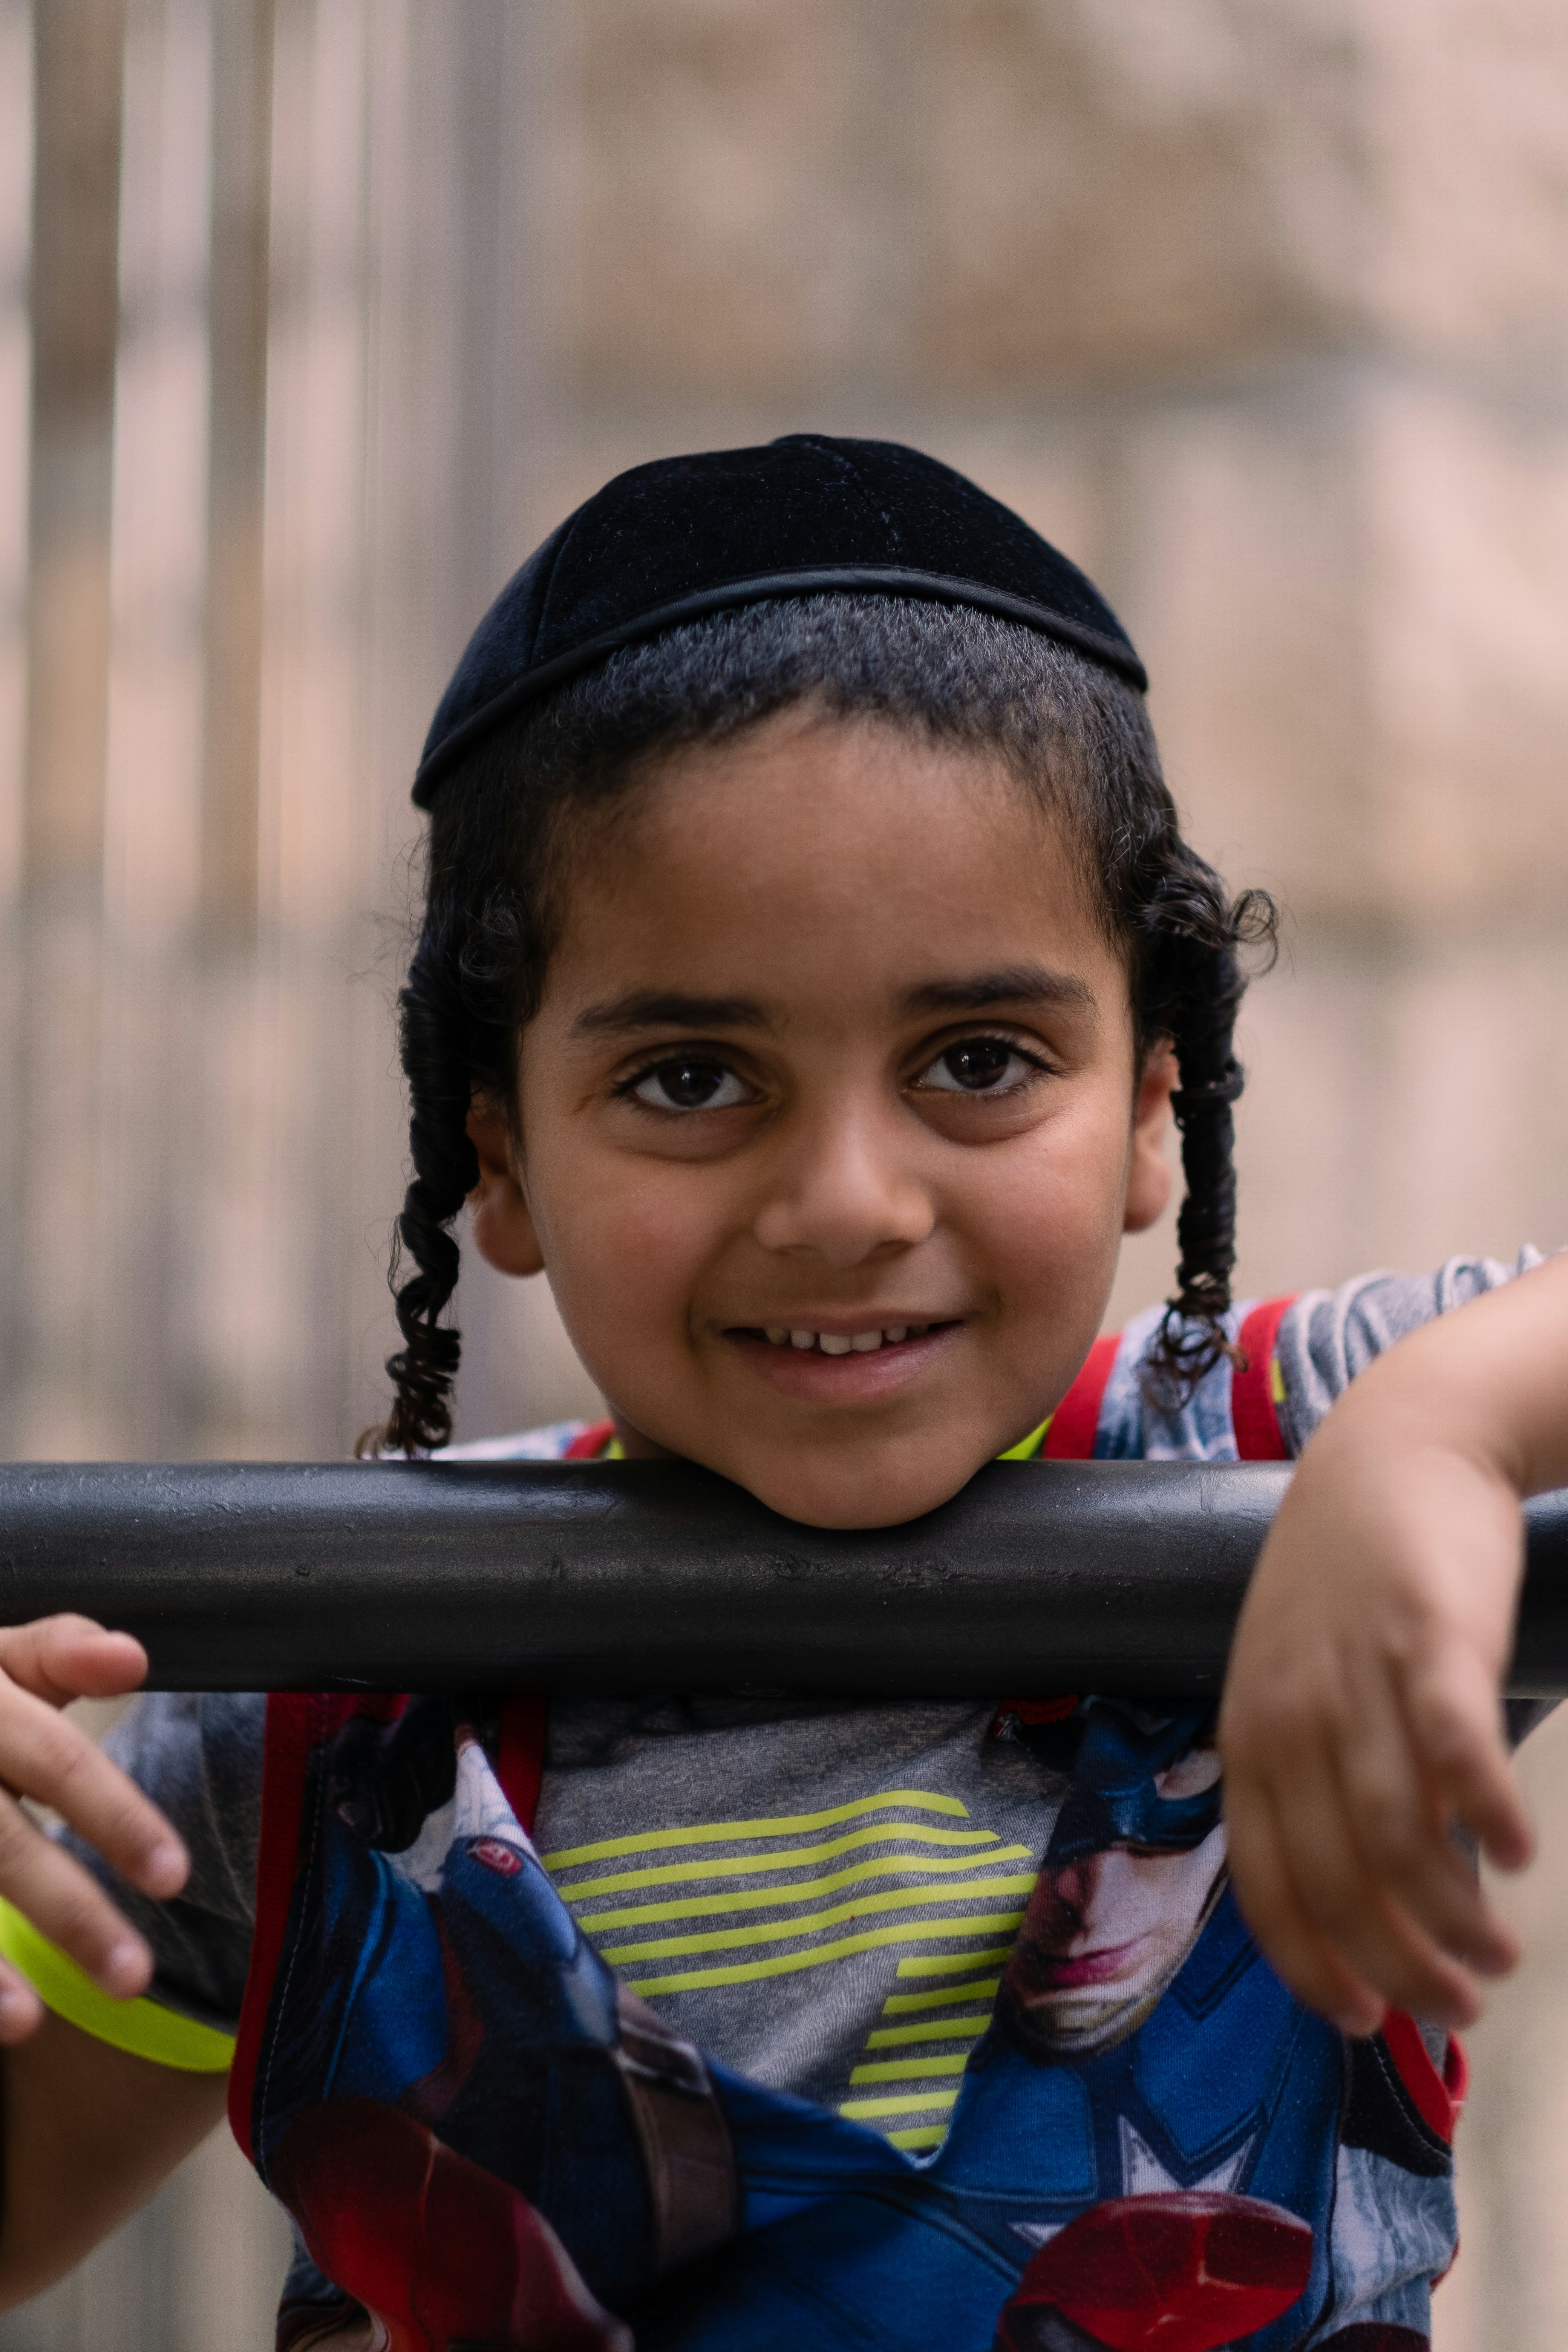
21, 2010
1341, 1840
1397, 1815
66, 1904
1455, 1724
67, 1657
1344, 1901
44, 1756
1304, 1958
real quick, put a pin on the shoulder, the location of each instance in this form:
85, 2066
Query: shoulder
1231, 1414
210, 1739
1137, 1425
1313, 1345
1329, 1337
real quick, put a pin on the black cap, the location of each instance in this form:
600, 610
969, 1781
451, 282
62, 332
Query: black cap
806, 515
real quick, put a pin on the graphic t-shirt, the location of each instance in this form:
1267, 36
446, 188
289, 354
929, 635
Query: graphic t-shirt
828, 1899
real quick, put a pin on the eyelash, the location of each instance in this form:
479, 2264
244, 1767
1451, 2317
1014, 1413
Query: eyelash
626, 1089
1039, 1067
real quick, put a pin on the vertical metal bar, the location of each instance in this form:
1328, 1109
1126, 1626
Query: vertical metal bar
77, 85
15, 374
243, 36
153, 788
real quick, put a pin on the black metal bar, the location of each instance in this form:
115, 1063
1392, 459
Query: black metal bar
1039, 1577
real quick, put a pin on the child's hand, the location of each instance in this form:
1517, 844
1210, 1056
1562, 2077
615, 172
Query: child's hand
1362, 1720
43, 1666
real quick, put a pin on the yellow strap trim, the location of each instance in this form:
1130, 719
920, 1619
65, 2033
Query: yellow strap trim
922, 2135
909, 1931
142, 2026
1276, 1380
742, 1866
779, 1825
807, 1890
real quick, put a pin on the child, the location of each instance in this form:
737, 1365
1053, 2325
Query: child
1360, 1720
810, 961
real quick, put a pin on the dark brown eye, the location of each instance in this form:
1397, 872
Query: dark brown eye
977, 1065
689, 1082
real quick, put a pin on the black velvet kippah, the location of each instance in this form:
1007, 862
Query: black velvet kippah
803, 516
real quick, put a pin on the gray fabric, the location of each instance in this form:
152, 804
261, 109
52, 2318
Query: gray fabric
1327, 1337
199, 1758
901, 1879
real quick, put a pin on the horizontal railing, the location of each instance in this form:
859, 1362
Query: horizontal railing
621, 1578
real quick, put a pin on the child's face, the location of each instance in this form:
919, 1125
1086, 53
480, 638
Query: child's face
832, 1046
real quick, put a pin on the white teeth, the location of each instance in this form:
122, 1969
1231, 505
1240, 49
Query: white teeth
863, 1343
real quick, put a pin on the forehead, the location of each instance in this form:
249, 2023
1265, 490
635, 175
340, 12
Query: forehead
824, 859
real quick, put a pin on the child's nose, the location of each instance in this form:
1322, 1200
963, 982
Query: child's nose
843, 1191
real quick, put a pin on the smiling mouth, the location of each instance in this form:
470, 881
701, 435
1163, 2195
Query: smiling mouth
806, 1340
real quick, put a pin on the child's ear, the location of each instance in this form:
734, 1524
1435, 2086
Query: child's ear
503, 1230
1149, 1178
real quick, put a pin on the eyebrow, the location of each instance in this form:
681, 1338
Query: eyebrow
648, 1008
1023, 983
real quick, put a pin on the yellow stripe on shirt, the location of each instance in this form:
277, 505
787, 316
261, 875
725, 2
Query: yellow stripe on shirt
142, 2026
776, 1825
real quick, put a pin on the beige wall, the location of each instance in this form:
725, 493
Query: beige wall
1258, 306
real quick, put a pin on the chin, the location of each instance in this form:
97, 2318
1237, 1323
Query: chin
846, 1499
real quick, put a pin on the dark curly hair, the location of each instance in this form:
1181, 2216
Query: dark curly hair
1077, 738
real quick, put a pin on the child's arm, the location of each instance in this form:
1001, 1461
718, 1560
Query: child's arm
1362, 1716
89, 2131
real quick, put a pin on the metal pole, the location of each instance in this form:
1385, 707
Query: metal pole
1038, 1578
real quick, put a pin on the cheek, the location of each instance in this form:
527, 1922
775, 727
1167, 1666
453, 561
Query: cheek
1176, 1887
1054, 1206
621, 1249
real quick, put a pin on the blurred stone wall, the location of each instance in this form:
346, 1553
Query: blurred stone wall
1258, 307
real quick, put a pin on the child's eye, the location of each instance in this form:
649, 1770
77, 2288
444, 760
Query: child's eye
979, 1065
689, 1082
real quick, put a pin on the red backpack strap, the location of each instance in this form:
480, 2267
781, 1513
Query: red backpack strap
1254, 1410
299, 1723
1070, 1437
296, 1722
519, 1762
588, 1445
1436, 2097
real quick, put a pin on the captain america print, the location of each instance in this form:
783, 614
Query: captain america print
1220, 2122
485, 2139
1134, 1868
